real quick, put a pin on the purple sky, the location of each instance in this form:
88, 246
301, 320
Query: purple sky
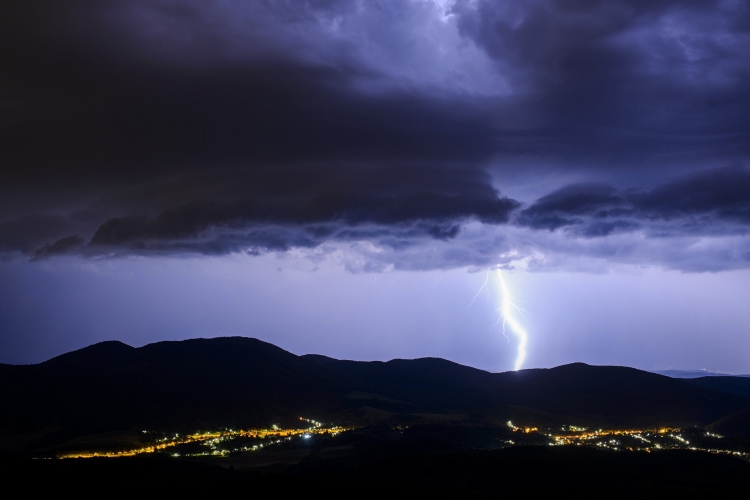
338, 177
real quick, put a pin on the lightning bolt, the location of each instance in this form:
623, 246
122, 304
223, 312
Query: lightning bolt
487, 280
508, 310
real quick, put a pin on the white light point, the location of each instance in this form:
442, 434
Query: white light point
508, 309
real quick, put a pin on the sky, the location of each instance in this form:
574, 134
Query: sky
351, 178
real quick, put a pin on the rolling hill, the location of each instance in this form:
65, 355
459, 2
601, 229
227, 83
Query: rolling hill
244, 382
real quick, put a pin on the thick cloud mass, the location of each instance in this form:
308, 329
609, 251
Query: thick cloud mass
711, 202
312, 206
385, 132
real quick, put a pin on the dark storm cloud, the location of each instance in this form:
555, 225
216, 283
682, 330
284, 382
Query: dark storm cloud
80, 110
128, 89
567, 206
214, 152
25, 234
324, 203
60, 247
710, 202
215, 127
724, 193
619, 82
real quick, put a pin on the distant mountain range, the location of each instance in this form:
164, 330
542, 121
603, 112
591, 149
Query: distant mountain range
696, 374
244, 382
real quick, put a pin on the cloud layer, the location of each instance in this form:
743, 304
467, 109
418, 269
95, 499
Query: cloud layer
387, 131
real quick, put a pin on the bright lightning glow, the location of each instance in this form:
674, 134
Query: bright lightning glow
508, 309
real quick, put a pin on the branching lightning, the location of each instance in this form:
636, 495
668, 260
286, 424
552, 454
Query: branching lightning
487, 280
508, 310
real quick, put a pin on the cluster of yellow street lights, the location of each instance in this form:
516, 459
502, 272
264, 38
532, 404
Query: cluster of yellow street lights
215, 437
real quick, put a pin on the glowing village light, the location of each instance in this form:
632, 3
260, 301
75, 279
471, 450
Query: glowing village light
508, 311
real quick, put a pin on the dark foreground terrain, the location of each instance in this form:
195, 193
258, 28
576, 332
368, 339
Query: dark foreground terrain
241, 416
107, 390
399, 468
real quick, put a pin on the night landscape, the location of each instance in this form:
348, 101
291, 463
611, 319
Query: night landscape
386, 248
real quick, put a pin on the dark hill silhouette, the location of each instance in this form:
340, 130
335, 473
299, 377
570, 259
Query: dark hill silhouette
696, 374
736, 425
608, 395
167, 384
739, 385
614, 394
429, 384
235, 381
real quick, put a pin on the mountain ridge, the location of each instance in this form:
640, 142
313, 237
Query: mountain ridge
245, 382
